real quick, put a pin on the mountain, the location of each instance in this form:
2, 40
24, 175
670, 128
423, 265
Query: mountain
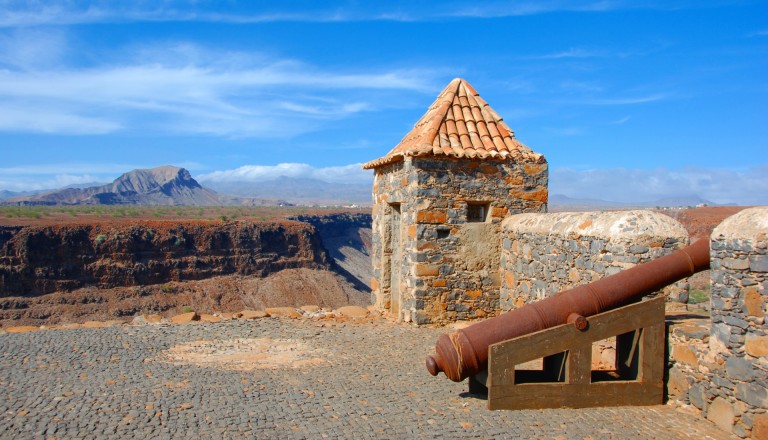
297, 190
559, 202
5, 194
166, 185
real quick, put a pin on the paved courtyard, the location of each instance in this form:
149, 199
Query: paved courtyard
272, 378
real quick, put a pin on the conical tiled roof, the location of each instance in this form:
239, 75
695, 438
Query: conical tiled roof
459, 124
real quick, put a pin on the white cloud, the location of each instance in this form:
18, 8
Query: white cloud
185, 88
19, 13
30, 183
352, 173
626, 101
67, 168
744, 187
26, 118
623, 120
571, 53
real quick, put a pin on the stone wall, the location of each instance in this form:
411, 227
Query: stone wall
721, 367
544, 254
450, 213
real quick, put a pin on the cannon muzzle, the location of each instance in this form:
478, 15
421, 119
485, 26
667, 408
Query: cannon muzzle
464, 353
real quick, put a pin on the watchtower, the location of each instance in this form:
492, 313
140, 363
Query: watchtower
439, 197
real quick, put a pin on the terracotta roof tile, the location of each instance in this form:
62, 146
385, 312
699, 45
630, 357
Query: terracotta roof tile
459, 124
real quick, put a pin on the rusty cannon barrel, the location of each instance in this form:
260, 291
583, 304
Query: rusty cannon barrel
464, 353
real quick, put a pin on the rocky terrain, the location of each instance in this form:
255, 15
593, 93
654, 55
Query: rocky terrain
57, 271
106, 270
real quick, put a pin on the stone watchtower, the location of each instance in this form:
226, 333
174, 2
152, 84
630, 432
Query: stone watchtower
439, 198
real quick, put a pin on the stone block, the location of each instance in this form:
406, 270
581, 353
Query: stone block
353, 311
283, 312
739, 368
427, 270
153, 319
736, 322
760, 427
721, 413
21, 329
204, 317
753, 302
691, 331
758, 263
720, 338
756, 345
736, 263
684, 354
431, 217
95, 324
697, 396
678, 384
185, 318
252, 314
752, 394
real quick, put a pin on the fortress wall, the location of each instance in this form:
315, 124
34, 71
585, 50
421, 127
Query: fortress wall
721, 367
543, 254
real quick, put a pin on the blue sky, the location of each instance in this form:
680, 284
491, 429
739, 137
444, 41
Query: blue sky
629, 101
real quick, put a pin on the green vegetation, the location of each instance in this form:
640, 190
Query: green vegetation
187, 309
88, 213
696, 296
101, 238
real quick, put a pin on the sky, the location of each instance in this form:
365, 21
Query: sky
628, 101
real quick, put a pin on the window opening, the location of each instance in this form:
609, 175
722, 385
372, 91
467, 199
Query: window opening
477, 212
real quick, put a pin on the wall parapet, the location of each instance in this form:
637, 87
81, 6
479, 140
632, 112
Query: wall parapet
544, 254
725, 375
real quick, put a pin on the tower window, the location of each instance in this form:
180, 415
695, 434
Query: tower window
477, 212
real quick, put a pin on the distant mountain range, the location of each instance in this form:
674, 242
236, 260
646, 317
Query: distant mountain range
165, 185
559, 202
301, 191
169, 185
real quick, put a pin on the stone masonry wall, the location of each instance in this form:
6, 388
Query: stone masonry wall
544, 254
449, 265
721, 367
391, 185
456, 271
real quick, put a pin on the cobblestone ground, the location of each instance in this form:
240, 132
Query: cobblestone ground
344, 380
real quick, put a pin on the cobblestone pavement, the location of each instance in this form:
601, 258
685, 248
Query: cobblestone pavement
344, 380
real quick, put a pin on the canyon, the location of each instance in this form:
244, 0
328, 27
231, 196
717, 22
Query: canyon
111, 270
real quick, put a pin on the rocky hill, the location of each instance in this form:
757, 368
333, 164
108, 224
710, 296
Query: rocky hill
166, 185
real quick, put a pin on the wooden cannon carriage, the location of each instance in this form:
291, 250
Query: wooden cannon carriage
561, 330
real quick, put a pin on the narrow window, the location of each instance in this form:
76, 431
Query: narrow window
477, 212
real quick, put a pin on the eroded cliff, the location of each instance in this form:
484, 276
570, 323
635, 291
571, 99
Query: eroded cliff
104, 270
39, 260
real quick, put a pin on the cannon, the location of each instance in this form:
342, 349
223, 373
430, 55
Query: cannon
464, 353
